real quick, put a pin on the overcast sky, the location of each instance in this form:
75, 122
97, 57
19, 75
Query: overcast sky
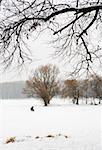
41, 51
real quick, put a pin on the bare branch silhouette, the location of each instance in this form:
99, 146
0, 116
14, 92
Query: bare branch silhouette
70, 22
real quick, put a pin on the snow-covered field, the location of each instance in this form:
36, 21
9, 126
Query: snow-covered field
60, 126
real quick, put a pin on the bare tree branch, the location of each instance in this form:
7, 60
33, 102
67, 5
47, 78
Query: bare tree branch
19, 19
90, 24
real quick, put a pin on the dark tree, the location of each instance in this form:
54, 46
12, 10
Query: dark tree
71, 22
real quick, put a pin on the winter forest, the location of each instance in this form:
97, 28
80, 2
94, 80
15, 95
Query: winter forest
50, 74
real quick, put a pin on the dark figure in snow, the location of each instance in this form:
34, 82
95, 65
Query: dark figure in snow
32, 108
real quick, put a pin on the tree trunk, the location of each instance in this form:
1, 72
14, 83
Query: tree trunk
49, 101
94, 101
73, 100
77, 101
86, 101
45, 103
99, 101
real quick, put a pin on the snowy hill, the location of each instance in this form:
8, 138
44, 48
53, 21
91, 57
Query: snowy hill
12, 90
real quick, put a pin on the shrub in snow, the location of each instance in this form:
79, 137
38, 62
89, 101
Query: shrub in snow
10, 140
37, 137
50, 136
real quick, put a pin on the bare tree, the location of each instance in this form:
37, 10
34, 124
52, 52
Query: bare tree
43, 84
70, 22
71, 90
84, 89
96, 88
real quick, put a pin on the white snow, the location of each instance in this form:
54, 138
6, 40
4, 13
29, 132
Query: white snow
82, 125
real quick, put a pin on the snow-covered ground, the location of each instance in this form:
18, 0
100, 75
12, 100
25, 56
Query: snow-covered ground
71, 127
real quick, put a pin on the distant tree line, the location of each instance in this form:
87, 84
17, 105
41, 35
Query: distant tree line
79, 89
44, 84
